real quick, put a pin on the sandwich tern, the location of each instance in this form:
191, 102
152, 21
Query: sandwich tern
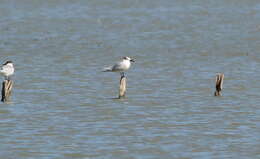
7, 69
121, 66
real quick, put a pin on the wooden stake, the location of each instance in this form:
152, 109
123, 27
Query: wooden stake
122, 87
7, 86
219, 84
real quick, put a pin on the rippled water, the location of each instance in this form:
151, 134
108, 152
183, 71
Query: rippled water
62, 104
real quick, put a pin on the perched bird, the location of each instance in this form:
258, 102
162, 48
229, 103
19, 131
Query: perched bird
7, 69
121, 66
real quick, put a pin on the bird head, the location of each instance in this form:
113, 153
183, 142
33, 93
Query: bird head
128, 58
8, 63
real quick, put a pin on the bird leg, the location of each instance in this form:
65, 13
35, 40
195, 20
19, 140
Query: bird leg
122, 74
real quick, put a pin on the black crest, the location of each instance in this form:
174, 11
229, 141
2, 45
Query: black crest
7, 62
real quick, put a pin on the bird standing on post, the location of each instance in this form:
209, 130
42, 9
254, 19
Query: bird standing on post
120, 66
7, 69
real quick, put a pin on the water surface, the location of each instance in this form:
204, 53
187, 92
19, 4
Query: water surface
62, 104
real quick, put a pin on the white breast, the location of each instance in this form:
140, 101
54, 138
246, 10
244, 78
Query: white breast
7, 70
126, 64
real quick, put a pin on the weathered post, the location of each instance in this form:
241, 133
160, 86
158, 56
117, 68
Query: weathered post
7, 86
219, 84
122, 87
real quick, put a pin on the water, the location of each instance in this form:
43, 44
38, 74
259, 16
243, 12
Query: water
63, 107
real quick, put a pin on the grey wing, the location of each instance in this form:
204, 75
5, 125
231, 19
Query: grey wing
118, 67
5, 68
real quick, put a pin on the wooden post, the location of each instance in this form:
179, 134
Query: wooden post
219, 84
6, 90
122, 87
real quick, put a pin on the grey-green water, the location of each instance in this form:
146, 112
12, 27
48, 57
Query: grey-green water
62, 104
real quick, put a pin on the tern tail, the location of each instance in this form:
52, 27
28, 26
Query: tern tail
107, 69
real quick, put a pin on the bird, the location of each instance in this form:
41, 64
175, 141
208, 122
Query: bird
121, 66
7, 69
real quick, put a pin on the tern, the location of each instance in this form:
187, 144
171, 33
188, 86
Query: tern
7, 69
121, 66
